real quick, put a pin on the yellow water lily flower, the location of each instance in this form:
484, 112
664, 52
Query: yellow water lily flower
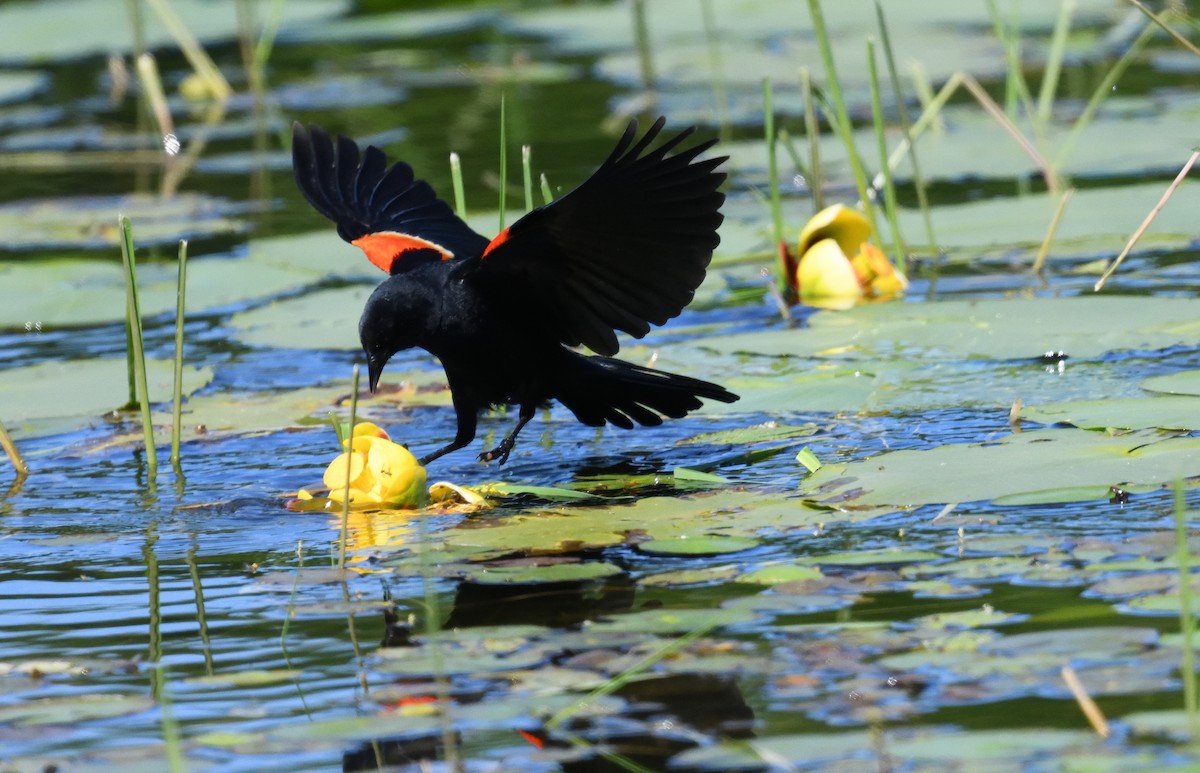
380, 471
838, 267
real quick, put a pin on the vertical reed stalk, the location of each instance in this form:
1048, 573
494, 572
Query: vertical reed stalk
456, 180
139, 355
527, 175
349, 450
889, 186
772, 166
547, 194
177, 397
503, 161
841, 117
813, 130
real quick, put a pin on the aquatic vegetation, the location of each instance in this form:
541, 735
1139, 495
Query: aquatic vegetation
837, 266
373, 470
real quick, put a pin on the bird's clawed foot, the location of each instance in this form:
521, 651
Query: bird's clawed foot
500, 453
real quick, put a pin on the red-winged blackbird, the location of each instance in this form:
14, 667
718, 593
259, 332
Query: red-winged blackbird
624, 250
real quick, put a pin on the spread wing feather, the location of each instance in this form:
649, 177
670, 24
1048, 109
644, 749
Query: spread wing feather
364, 197
623, 251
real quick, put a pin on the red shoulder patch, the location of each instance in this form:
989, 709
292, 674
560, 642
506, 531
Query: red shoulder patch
501, 238
386, 247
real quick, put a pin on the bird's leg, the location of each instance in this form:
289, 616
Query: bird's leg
500, 453
467, 417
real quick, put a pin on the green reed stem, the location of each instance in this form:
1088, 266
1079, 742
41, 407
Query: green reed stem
1101, 93
1054, 60
133, 307
842, 116
547, 194
197, 57
503, 161
177, 397
813, 130
717, 69
13, 454
889, 186
527, 175
641, 40
1187, 623
906, 125
354, 378
266, 39
1161, 22
1039, 262
456, 180
773, 174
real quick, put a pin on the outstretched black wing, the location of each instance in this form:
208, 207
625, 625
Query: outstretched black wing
382, 210
624, 250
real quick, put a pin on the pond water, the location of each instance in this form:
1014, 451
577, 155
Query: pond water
713, 605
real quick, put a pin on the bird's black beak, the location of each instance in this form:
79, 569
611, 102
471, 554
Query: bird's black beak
374, 371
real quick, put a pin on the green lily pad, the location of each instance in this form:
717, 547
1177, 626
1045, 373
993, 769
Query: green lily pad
678, 577
673, 621
525, 574
1067, 459
761, 433
36, 32
774, 575
696, 546
1022, 328
1164, 412
327, 319
36, 394
91, 222
877, 557
724, 513
251, 678
69, 710
1185, 382
46, 295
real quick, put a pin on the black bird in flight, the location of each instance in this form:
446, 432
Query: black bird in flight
624, 250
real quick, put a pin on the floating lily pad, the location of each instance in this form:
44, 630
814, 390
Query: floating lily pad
1185, 382
68, 710
251, 678
1166, 412
1023, 328
322, 320
761, 433
673, 621
1067, 459
47, 295
538, 575
696, 546
51, 390
90, 222
36, 32
774, 575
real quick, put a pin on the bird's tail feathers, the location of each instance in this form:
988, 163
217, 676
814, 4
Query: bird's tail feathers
600, 390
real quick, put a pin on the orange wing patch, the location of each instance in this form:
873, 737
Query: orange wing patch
386, 247
501, 238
